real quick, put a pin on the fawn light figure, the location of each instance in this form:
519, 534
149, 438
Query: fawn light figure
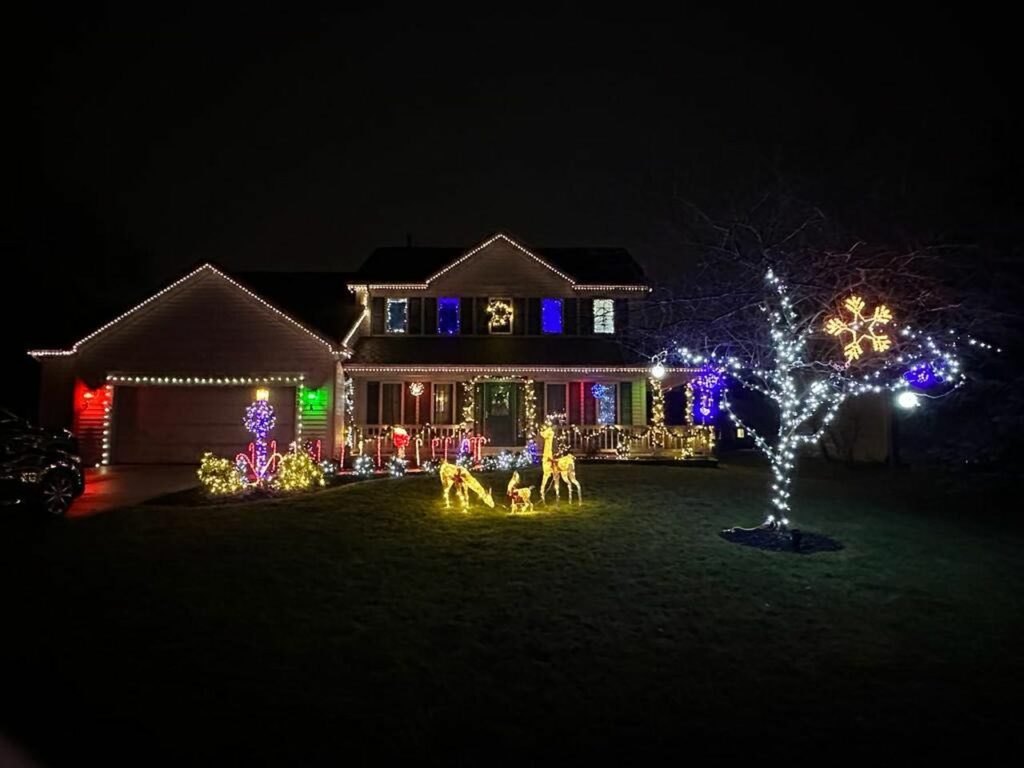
462, 480
519, 498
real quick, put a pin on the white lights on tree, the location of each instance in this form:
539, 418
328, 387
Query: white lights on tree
809, 389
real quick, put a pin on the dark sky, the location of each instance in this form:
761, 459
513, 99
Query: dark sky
288, 141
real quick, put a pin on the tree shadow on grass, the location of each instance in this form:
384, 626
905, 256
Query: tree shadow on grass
796, 542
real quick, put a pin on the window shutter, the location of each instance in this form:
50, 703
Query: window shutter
533, 316
621, 315
460, 403
430, 315
625, 402
416, 316
586, 317
377, 314
373, 402
574, 403
572, 326
589, 404
481, 315
518, 316
465, 315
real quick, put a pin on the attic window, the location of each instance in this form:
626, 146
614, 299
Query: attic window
398, 315
447, 316
604, 316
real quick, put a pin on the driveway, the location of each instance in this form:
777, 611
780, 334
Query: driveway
111, 487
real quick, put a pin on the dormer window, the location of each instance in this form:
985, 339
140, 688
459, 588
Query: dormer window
397, 317
448, 316
551, 316
499, 316
604, 316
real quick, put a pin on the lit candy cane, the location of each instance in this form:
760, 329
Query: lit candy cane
419, 442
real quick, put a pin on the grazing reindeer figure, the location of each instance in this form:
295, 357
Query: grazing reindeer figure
519, 498
460, 478
562, 468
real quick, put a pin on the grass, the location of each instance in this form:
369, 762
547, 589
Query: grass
366, 620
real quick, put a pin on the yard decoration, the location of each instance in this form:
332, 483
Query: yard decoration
296, 471
401, 439
558, 469
462, 480
860, 329
220, 477
519, 498
259, 420
396, 466
363, 466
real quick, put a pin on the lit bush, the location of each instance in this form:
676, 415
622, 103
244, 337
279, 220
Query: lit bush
297, 471
221, 477
363, 466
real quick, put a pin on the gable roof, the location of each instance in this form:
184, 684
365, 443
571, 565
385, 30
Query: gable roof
201, 270
581, 266
318, 300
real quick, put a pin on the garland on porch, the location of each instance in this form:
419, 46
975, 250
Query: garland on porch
529, 423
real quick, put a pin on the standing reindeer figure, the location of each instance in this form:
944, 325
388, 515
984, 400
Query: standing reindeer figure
519, 498
563, 468
460, 478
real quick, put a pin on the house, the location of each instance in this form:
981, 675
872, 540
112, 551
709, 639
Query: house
445, 342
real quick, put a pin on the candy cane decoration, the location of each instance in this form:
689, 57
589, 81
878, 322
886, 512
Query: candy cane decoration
378, 451
419, 442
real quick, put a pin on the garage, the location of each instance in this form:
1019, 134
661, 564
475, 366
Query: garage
176, 425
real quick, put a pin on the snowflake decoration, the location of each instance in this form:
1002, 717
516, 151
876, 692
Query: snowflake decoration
861, 328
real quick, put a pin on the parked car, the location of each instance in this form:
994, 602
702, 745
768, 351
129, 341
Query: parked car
38, 467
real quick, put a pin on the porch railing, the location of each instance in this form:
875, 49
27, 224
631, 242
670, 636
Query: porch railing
585, 439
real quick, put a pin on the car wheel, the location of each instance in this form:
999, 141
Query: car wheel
56, 493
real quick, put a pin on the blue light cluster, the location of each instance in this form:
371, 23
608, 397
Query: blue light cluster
923, 375
604, 396
551, 315
706, 385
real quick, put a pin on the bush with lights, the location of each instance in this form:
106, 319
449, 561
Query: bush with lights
221, 477
397, 466
429, 467
296, 471
363, 466
488, 464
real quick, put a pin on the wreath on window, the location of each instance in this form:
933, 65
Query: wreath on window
501, 314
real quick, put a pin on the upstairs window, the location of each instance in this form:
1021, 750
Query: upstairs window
448, 316
604, 316
397, 316
551, 315
499, 316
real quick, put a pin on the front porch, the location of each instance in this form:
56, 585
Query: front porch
608, 416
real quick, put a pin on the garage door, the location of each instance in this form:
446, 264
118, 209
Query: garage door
176, 425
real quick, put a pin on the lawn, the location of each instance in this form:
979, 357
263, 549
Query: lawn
366, 620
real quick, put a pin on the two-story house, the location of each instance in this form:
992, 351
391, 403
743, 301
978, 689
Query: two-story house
441, 341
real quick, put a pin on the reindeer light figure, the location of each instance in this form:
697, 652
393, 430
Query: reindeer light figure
519, 498
462, 480
563, 468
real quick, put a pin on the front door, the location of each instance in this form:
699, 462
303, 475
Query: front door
499, 412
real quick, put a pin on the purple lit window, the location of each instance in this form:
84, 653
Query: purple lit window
551, 315
448, 316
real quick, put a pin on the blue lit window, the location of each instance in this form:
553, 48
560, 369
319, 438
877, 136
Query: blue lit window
448, 316
551, 315
398, 316
604, 316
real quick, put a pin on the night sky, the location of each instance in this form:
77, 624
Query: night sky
274, 141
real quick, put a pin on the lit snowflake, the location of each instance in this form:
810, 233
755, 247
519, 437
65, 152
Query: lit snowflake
861, 328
